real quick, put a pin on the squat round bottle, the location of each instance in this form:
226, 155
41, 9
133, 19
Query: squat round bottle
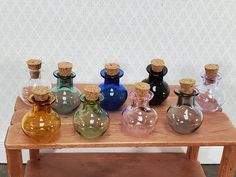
35, 79
91, 121
113, 92
67, 96
41, 123
138, 118
157, 70
185, 117
211, 97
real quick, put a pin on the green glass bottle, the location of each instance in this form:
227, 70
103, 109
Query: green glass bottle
67, 96
91, 121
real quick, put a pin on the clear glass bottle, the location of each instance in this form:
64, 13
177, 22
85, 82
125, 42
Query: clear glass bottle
67, 96
138, 118
113, 92
91, 121
184, 117
157, 70
42, 123
35, 72
211, 97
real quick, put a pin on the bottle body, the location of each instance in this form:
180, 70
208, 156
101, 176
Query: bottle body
67, 96
42, 123
34, 80
211, 97
91, 121
158, 86
113, 92
184, 117
139, 119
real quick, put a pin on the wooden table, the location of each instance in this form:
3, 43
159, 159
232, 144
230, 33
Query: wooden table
216, 130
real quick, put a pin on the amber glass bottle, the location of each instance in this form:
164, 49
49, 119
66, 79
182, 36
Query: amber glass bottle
42, 123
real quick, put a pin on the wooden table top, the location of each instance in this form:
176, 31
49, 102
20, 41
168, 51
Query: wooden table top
216, 130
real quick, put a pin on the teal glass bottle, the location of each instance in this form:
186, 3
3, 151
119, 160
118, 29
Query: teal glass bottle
67, 96
91, 121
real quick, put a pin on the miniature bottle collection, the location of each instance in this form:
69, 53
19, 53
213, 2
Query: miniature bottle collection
67, 96
211, 97
91, 121
25, 90
157, 70
42, 123
184, 117
114, 93
138, 118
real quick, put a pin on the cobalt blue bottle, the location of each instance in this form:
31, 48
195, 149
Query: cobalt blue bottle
114, 93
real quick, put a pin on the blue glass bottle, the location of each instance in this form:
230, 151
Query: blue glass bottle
67, 96
114, 93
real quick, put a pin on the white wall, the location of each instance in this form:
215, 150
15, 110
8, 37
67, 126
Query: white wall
186, 33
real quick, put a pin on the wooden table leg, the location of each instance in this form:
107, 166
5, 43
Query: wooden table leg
34, 154
14, 163
192, 152
228, 162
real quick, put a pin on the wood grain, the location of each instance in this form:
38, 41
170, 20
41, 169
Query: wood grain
114, 165
192, 152
228, 162
14, 163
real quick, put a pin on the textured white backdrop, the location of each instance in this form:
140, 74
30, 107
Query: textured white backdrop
186, 33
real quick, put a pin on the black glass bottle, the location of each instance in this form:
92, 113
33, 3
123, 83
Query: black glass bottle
157, 70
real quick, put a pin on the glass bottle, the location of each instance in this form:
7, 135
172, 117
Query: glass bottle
157, 70
184, 117
138, 118
113, 92
35, 72
42, 123
211, 97
91, 121
67, 96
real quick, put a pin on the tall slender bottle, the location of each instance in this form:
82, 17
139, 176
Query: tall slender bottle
185, 117
114, 93
35, 79
67, 96
91, 121
42, 123
211, 97
157, 70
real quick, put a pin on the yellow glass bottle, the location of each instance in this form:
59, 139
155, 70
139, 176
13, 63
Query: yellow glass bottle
42, 123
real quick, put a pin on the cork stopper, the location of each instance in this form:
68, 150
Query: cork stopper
142, 89
92, 92
187, 85
41, 93
211, 70
34, 65
157, 65
112, 69
65, 68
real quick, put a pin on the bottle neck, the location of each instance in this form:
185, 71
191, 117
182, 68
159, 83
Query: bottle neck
211, 81
156, 79
35, 74
43, 108
88, 105
186, 100
112, 80
65, 82
139, 102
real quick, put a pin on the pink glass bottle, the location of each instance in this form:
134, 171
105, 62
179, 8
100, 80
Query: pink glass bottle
138, 118
211, 97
